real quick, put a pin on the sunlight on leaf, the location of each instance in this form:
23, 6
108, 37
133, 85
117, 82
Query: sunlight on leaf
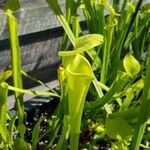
62, 143
118, 129
89, 41
38, 93
3, 111
5, 75
84, 43
79, 75
54, 5
131, 65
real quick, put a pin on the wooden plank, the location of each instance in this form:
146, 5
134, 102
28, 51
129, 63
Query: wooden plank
38, 50
33, 16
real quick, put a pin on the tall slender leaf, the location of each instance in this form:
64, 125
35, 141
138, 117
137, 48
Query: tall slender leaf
3, 112
16, 66
57, 10
78, 73
144, 111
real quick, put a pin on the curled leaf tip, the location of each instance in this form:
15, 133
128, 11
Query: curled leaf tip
4, 85
83, 43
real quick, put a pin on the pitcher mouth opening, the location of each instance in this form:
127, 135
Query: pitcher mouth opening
79, 66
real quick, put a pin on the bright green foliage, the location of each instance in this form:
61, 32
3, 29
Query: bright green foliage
129, 115
144, 113
131, 65
118, 129
35, 133
38, 93
16, 67
62, 143
116, 88
89, 41
131, 92
79, 75
4, 135
56, 8
84, 43
76, 72
122, 145
11, 129
121, 31
5, 75
116, 99
3, 112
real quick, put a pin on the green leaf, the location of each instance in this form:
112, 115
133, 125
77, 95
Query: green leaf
113, 14
120, 82
5, 75
62, 143
131, 65
21, 145
22, 128
35, 133
54, 5
89, 41
38, 93
94, 56
84, 43
16, 65
118, 129
120, 145
12, 128
15, 51
131, 93
3, 134
3, 111
130, 114
144, 112
12, 5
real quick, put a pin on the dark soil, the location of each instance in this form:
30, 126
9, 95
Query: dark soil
34, 109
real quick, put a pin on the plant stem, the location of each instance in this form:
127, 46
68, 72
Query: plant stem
132, 19
106, 55
57, 10
16, 68
3, 112
69, 8
124, 30
144, 111
117, 86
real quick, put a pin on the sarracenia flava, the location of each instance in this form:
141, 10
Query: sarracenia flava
78, 75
